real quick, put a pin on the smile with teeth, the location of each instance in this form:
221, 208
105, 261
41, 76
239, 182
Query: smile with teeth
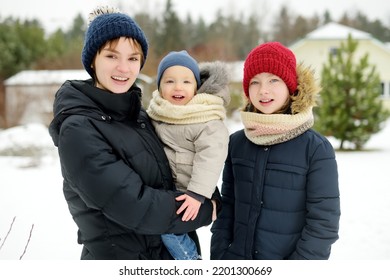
119, 78
178, 96
266, 100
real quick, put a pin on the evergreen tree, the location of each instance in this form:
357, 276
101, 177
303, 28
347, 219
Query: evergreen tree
251, 36
351, 109
170, 35
282, 26
327, 17
200, 30
21, 44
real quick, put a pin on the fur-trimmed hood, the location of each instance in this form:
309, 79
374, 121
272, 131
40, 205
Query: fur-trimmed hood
307, 91
214, 78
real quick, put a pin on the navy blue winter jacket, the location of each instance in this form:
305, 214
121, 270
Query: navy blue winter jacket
279, 201
268, 208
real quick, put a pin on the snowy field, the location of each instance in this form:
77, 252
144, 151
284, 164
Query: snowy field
31, 201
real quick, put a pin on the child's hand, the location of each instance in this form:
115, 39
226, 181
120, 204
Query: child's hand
190, 205
214, 215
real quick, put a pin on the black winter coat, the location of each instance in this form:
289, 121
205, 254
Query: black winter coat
275, 205
117, 180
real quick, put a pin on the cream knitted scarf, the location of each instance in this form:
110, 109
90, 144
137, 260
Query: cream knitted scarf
203, 107
263, 129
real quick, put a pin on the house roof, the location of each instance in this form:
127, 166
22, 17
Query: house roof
45, 77
48, 77
336, 31
333, 30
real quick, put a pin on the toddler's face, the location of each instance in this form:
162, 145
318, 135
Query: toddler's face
178, 85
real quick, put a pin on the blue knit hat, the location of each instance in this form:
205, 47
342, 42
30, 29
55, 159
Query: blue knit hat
181, 58
108, 25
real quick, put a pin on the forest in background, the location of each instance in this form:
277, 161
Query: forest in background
25, 44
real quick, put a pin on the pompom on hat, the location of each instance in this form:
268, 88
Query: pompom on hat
105, 24
181, 58
274, 58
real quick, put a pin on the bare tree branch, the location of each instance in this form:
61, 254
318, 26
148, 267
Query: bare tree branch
10, 228
28, 242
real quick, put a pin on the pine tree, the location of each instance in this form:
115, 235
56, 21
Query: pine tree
170, 33
350, 108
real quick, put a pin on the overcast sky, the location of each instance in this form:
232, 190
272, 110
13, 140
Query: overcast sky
54, 14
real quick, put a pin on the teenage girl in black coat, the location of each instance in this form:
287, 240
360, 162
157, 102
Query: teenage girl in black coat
117, 180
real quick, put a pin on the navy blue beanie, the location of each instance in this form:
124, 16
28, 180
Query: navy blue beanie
181, 58
108, 26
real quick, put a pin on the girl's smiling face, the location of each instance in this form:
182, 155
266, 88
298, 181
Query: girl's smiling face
117, 65
268, 93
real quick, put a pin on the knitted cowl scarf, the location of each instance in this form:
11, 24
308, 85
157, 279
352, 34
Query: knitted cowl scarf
270, 129
208, 104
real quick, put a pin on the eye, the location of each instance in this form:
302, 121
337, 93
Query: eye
134, 58
274, 80
253, 82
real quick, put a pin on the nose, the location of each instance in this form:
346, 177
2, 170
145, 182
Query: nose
123, 65
178, 86
263, 88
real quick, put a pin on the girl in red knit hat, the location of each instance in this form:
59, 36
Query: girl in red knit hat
280, 194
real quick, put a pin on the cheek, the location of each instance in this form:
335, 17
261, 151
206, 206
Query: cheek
136, 67
285, 94
163, 93
163, 90
99, 74
192, 90
98, 68
252, 95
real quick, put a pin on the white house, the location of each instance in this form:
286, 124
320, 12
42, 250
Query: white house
314, 49
29, 95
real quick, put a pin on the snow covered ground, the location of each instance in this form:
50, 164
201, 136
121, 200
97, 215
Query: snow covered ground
31, 192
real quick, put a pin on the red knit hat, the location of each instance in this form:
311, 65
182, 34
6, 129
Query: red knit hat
274, 58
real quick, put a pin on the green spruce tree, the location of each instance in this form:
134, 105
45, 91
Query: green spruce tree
350, 107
